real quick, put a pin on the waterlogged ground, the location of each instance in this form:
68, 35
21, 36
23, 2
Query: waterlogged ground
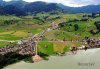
82, 60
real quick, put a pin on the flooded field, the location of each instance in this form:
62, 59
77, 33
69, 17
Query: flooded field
82, 60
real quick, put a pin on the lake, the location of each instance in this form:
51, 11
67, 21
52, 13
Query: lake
82, 60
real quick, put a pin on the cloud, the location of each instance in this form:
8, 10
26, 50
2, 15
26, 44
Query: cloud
73, 3
78, 3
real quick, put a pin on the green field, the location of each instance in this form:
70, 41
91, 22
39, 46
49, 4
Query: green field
51, 48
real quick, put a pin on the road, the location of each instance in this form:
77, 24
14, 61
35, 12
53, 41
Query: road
25, 47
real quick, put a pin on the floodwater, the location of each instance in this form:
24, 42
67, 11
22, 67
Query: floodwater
82, 60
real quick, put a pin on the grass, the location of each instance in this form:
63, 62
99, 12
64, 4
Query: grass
67, 35
34, 31
17, 35
67, 49
5, 43
13, 35
9, 37
50, 48
59, 47
36, 21
50, 35
21, 34
10, 17
46, 50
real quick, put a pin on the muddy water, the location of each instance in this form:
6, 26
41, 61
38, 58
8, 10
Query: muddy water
82, 60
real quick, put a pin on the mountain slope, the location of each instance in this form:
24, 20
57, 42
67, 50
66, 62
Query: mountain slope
20, 7
10, 9
15, 7
41, 6
19, 3
85, 9
2, 3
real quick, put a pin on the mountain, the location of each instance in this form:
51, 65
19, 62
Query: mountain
10, 10
88, 9
17, 3
41, 6
2, 3
12, 7
20, 6
1, 9
84, 9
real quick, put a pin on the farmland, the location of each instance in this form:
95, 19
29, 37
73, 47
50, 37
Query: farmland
14, 29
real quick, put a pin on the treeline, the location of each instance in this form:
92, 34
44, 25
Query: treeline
85, 17
17, 22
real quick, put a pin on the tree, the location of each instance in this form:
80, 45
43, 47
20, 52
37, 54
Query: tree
76, 27
61, 24
97, 23
93, 15
93, 32
7, 22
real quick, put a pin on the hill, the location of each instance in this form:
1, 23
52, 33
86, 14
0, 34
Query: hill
84, 9
39, 6
22, 7
17, 3
2, 3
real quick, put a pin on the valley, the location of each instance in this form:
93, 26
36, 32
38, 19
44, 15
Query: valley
68, 30
47, 34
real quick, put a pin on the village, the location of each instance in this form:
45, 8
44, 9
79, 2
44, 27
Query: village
28, 47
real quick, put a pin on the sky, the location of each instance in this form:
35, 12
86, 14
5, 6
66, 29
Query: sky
72, 3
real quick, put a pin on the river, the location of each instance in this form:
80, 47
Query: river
82, 60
